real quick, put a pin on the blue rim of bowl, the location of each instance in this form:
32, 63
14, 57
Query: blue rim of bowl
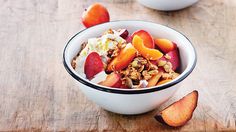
128, 91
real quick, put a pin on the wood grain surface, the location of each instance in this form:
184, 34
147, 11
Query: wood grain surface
37, 94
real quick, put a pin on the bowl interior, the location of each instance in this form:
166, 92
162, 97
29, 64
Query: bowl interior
187, 52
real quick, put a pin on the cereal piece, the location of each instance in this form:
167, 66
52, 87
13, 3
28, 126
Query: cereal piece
153, 72
109, 31
168, 67
73, 63
170, 75
128, 82
134, 75
161, 63
146, 75
167, 56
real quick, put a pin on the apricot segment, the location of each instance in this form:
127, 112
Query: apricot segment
121, 61
151, 54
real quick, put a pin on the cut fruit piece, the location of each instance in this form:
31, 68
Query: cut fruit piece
180, 112
129, 39
153, 81
118, 84
123, 33
174, 58
123, 59
163, 82
93, 65
151, 54
154, 62
101, 76
146, 37
165, 45
112, 80
95, 14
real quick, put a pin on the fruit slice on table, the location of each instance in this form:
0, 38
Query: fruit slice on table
180, 112
93, 65
121, 61
163, 81
95, 14
153, 81
112, 80
165, 45
146, 37
151, 54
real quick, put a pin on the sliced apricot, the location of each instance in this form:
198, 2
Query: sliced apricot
153, 81
180, 112
121, 61
165, 45
151, 54
146, 37
163, 81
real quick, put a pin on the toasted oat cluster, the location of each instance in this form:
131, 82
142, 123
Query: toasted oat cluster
118, 60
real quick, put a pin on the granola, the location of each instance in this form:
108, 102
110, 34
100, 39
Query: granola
124, 65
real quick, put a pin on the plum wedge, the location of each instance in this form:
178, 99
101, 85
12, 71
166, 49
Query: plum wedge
180, 112
174, 58
93, 65
112, 80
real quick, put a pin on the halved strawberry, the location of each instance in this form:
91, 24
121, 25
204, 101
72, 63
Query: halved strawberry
180, 112
93, 65
165, 45
146, 37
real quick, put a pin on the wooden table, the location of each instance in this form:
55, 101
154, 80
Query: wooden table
36, 92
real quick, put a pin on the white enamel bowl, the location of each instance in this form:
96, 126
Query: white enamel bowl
167, 5
130, 101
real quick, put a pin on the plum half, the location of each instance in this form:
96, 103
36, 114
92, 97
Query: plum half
180, 112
